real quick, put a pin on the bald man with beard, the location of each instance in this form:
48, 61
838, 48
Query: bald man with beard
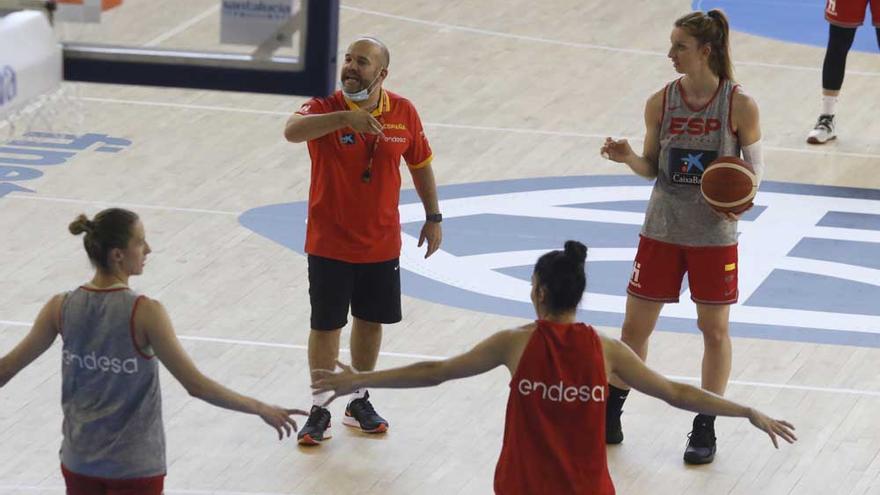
356, 138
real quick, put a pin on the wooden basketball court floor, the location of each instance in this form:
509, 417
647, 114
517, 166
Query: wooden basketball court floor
507, 89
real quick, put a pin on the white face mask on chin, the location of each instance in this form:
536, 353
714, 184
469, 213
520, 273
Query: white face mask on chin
363, 94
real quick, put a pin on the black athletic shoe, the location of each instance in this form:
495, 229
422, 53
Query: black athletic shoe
701, 442
613, 428
360, 414
317, 427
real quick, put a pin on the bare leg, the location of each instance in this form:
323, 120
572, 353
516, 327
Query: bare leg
638, 324
366, 339
713, 321
323, 349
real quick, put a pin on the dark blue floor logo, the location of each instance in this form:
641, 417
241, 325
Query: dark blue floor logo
809, 255
25, 159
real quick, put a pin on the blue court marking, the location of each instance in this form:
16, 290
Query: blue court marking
633, 206
525, 233
796, 21
605, 277
488, 233
848, 220
856, 253
798, 291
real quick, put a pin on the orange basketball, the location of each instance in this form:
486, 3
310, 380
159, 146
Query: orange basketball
729, 184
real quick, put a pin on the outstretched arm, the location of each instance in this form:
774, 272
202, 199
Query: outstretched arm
487, 355
154, 320
622, 361
35, 343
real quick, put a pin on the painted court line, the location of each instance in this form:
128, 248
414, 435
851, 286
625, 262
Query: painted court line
500, 34
513, 130
573, 44
786, 386
184, 106
182, 27
131, 206
168, 491
255, 343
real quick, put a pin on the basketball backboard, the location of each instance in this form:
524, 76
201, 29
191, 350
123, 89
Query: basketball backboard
262, 46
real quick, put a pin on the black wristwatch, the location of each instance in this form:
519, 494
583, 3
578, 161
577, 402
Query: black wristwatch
434, 217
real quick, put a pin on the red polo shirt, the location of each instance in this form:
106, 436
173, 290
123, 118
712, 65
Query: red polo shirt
351, 220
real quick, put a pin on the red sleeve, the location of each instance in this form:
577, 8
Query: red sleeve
418, 154
315, 106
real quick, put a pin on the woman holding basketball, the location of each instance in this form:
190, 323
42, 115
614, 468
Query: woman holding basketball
554, 436
114, 441
690, 122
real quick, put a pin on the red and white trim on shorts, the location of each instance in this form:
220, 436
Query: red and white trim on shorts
146, 479
717, 303
652, 299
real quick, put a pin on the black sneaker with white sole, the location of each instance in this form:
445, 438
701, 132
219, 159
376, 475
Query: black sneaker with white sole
701, 441
317, 427
360, 414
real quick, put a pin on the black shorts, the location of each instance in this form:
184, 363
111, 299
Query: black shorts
372, 290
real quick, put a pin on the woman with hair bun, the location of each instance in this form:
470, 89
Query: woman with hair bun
114, 440
554, 433
691, 121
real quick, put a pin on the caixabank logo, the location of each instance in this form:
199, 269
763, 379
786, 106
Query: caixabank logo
809, 255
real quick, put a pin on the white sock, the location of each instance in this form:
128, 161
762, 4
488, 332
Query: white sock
320, 398
828, 105
358, 394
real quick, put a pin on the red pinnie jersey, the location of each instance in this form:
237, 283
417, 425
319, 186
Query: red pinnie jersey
554, 433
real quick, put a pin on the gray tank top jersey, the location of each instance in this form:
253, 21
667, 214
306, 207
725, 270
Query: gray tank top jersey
110, 391
689, 141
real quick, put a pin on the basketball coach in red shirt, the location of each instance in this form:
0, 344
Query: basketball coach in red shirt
356, 137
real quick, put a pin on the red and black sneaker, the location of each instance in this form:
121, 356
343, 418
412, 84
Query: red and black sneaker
360, 414
317, 427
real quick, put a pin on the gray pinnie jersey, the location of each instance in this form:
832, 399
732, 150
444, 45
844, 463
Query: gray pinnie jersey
690, 139
110, 390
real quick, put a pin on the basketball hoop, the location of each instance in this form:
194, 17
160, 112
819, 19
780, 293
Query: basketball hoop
31, 94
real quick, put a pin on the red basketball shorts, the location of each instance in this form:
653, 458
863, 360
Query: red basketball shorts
660, 267
78, 484
851, 13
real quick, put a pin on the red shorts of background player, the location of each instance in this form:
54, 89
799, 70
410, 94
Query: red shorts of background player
78, 484
851, 13
660, 267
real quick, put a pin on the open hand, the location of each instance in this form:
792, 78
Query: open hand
280, 418
340, 382
733, 217
362, 121
433, 233
616, 150
773, 427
